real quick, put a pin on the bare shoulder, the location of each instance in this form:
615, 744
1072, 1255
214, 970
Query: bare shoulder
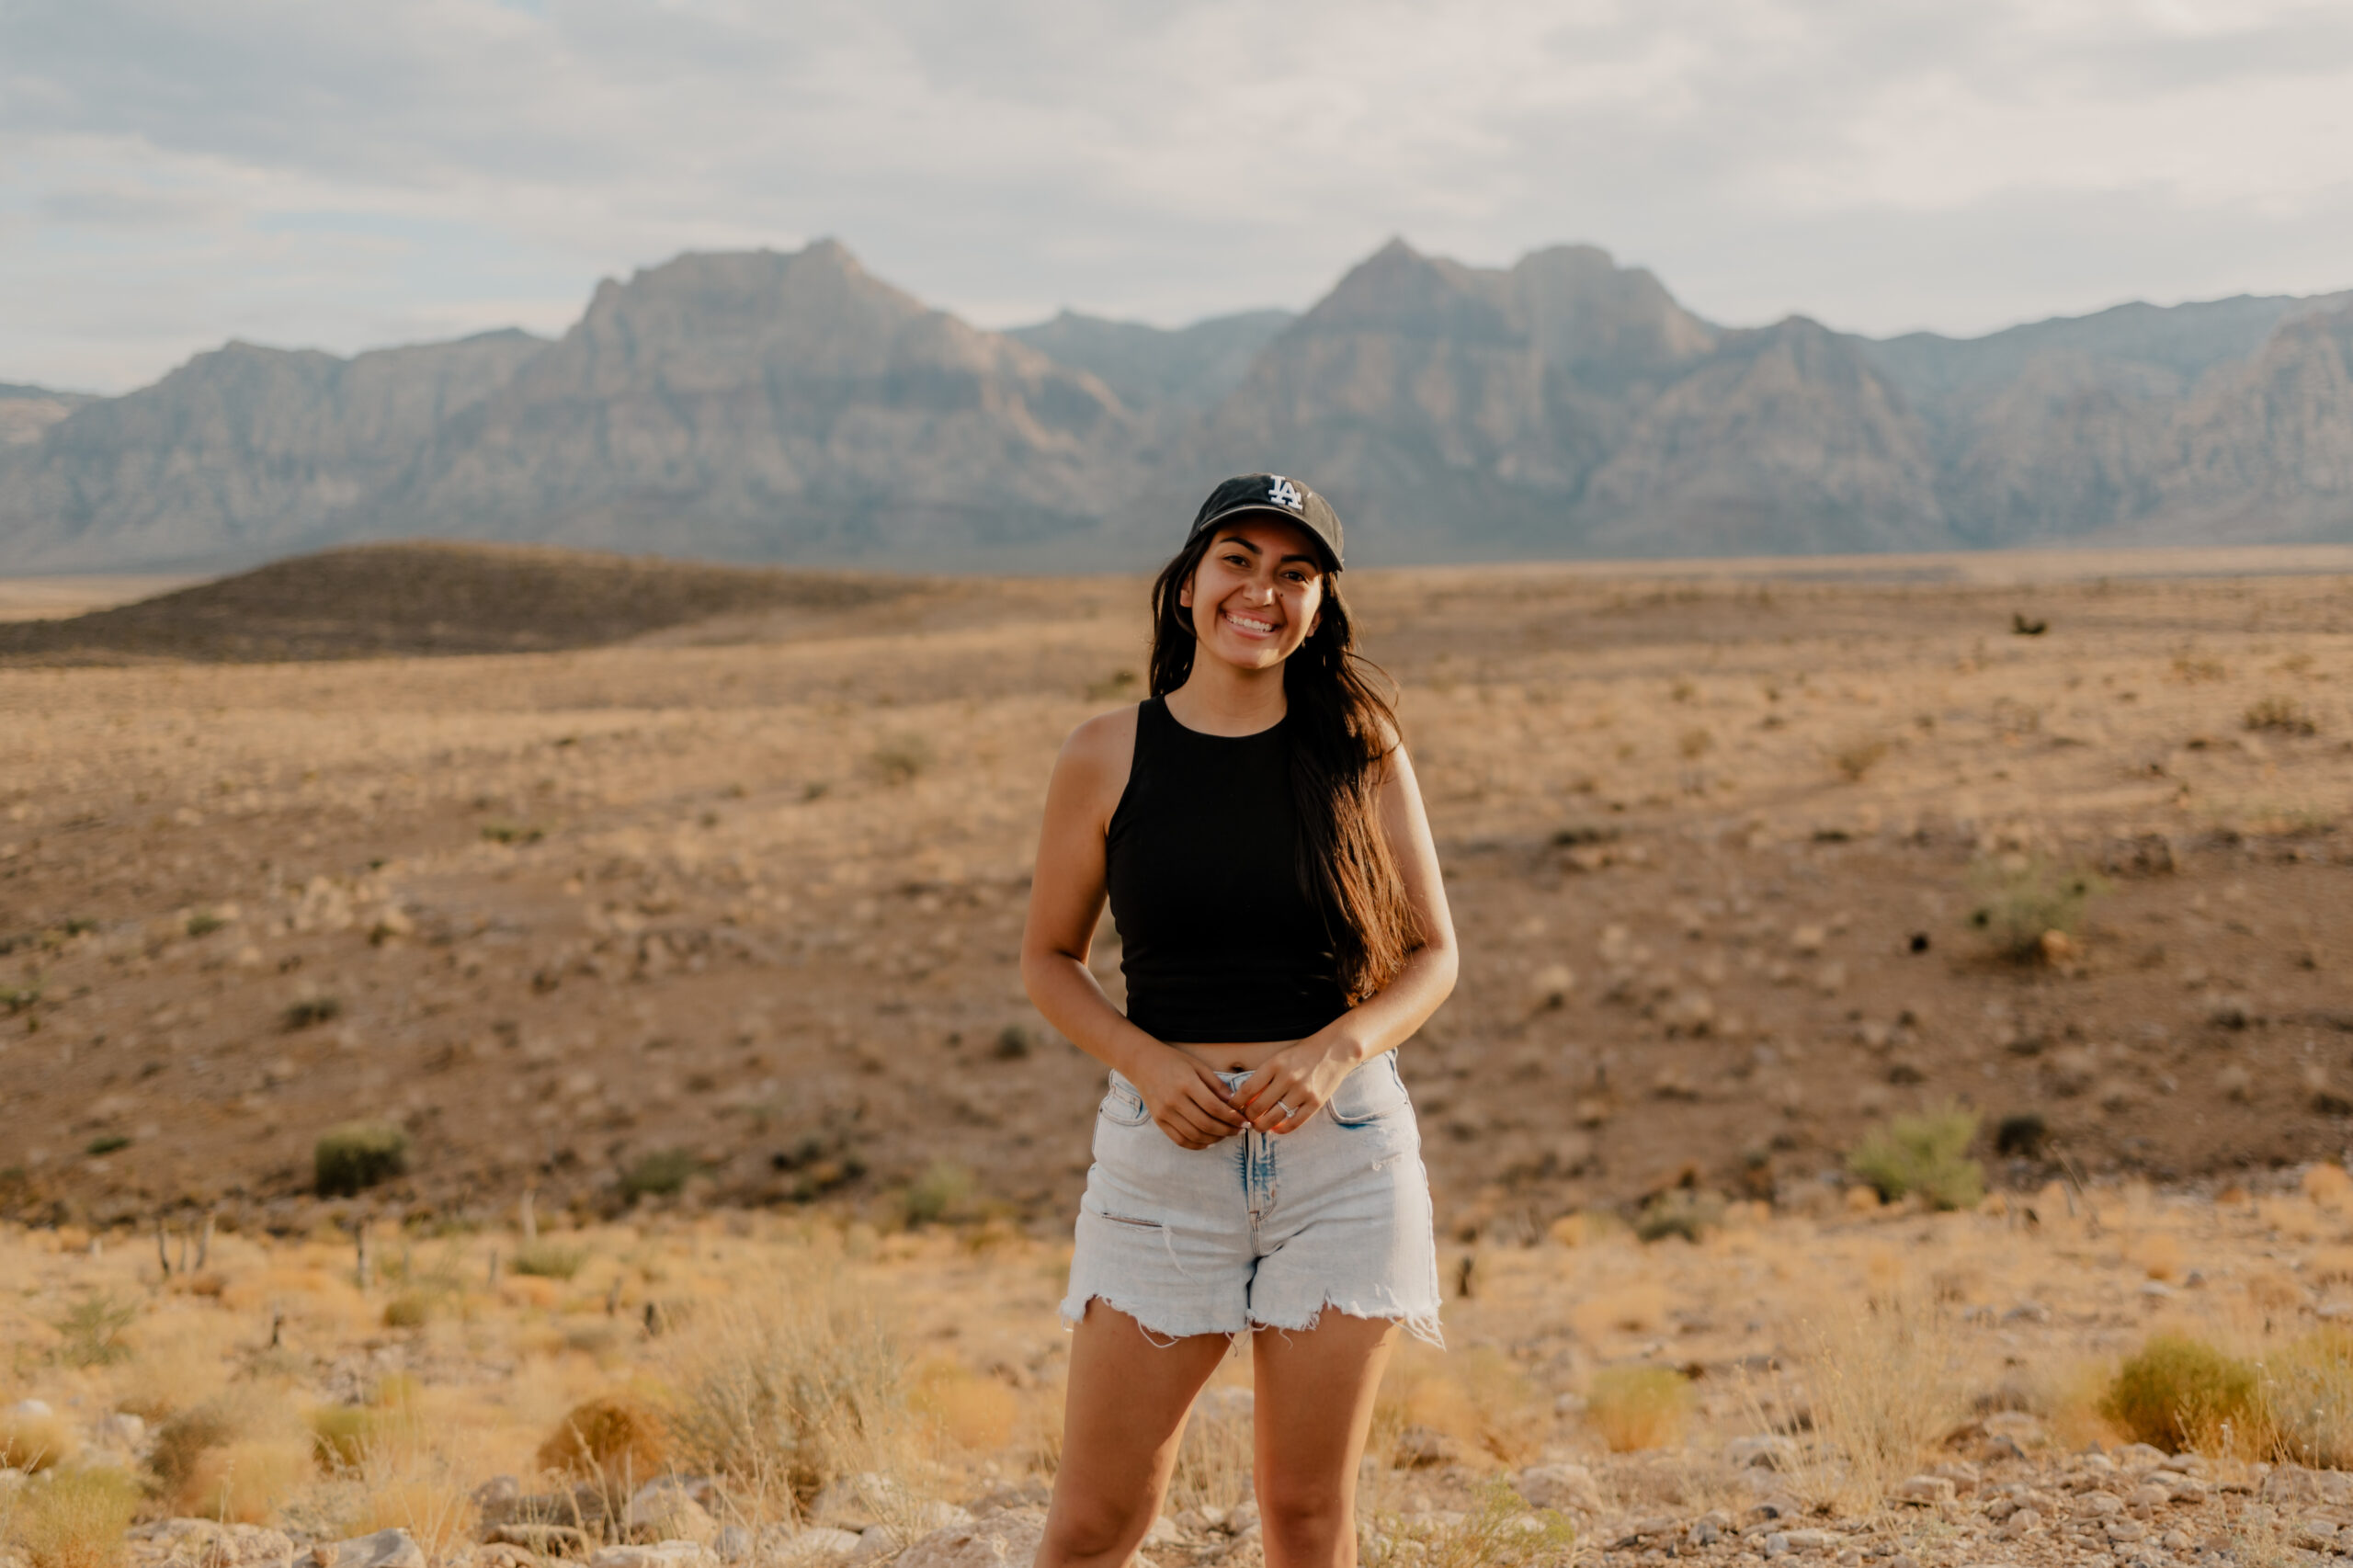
1096, 755
1108, 740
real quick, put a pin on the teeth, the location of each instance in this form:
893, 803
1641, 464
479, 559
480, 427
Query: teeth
1245, 621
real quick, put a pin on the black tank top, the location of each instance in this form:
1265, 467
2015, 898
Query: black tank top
1221, 944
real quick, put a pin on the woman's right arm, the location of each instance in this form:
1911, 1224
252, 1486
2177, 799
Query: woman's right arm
1187, 1101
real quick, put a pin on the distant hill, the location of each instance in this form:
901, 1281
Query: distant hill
1149, 367
761, 406
240, 453
370, 601
25, 412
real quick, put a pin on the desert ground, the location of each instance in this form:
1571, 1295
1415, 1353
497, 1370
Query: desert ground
676, 954
727, 911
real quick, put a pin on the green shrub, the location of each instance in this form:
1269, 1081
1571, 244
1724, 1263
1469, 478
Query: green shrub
312, 1010
513, 831
1013, 1043
902, 760
550, 1259
1681, 1212
1501, 1531
356, 1155
106, 1143
92, 1330
2019, 900
1926, 1154
203, 922
2283, 715
944, 1192
662, 1174
2180, 1393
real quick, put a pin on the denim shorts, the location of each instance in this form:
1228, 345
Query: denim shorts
1261, 1230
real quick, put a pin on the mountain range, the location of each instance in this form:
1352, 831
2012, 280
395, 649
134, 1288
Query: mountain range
768, 406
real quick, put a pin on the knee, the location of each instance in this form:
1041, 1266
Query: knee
1082, 1529
1305, 1523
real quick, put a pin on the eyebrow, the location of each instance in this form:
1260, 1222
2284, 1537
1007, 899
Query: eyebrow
1295, 555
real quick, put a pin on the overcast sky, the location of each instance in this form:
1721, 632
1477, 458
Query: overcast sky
317, 173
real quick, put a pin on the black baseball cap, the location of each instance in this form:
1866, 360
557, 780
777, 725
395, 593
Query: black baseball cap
1283, 498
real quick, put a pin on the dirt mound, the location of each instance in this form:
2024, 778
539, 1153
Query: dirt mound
377, 600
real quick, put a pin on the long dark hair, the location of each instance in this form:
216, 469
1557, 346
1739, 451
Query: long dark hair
1342, 727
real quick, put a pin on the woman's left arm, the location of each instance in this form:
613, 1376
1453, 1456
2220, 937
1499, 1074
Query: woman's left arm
1302, 1077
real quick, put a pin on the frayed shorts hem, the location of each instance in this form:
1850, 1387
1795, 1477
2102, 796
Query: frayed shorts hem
1423, 1326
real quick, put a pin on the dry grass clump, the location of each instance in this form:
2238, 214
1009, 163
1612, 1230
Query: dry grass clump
33, 1443
1884, 1387
236, 1457
2308, 1396
545, 1259
1633, 1407
2023, 899
75, 1519
1856, 759
616, 1438
408, 1484
787, 1388
2180, 1393
1502, 1531
1926, 1155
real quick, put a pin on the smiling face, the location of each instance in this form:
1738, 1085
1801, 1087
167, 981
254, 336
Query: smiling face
1255, 595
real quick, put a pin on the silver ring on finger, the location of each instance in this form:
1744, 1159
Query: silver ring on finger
1282, 1111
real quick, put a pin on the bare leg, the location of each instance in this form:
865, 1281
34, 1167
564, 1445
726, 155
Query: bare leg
1129, 1396
1315, 1405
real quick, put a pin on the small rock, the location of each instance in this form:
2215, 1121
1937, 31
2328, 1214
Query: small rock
1242, 1516
2016, 1425
1769, 1450
2316, 1535
542, 1541
2021, 1523
2122, 1528
119, 1430
661, 1554
1195, 1521
1808, 1541
497, 1491
1776, 1544
733, 1543
2174, 1541
1777, 1506
1568, 1488
202, 1543
818, 1543
1164, 1532
2150, 1497
1704, 1532
1420, 1448
666, 1510
2097, 1504
2139, 1456
2294, 1484
1007, 1539
1924, 1491
31, 1410
385, 1549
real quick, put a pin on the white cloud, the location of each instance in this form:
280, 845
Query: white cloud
297, 172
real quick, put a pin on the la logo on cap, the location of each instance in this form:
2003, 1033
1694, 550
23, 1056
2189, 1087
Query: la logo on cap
1283, 493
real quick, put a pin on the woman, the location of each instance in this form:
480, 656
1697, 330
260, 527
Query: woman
1256, 828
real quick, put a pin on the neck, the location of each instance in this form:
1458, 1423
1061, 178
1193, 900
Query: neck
1219, 700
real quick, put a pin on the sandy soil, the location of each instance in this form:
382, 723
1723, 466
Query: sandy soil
750, 889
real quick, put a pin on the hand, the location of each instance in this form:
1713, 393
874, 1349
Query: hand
1293, 1085
1187, 1101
